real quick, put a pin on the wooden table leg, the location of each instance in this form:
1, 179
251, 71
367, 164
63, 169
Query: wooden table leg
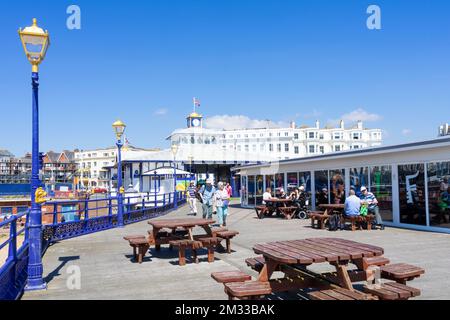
267, 271
228, 245
182, 255
211, 254
343, 276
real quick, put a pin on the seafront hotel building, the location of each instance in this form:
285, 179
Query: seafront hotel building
409, 180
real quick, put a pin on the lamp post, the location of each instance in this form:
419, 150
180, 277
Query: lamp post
119, 128
35, 43
174, 149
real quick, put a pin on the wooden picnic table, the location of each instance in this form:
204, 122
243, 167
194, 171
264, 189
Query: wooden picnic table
330, 208
184, 223
292, 257
285, 207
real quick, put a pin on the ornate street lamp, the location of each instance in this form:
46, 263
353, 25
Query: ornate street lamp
174, 149
35, 43
119, 129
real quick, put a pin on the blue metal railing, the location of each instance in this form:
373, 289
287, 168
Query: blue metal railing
68, 219
13, 273
72, 218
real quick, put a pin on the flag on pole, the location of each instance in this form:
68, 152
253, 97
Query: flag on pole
196, 102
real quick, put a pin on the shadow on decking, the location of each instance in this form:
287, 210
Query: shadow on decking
172, 256
56, 272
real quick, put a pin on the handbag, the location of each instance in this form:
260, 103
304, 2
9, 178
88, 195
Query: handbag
364, 210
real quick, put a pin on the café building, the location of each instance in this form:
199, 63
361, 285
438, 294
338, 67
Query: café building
410, 181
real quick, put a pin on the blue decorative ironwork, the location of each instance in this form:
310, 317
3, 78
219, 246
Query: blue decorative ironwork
14, 274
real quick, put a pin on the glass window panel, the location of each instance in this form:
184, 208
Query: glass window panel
244, 191
292, 181
279, 180
337, 186
411, 180
270, 182
321, 183
381, 187
251, 190
439, 194
259, 189
359, 177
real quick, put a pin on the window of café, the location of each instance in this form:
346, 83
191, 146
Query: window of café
292, 181
411, 180
259, 189
381, 187
337, 186
359, 177
270, 182
304, 179
321, 183
251, 190
279, 180
439, 194
244, 191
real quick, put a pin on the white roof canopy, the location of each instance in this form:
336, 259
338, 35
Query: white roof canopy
165, 171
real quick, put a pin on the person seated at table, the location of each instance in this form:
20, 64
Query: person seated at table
371, 201
322, 197
352, 205
295, 195
267, 196
283, 195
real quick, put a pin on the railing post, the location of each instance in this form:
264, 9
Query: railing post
164, 200
55, 213
86, 209
110, 210
143, 206
12, 252
26, 225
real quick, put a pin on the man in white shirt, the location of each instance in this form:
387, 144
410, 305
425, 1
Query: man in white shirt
267, 196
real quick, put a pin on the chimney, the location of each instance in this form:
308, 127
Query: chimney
317, 124
360, 124
292, 125
341, 124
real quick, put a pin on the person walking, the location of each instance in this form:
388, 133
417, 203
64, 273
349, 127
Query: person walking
207, 192
192, 198
371, 201
222, 200
229, 190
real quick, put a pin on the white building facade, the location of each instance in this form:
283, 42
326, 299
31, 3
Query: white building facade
93, 165
279, 143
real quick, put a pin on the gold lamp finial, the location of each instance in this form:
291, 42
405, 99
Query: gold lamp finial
34, 22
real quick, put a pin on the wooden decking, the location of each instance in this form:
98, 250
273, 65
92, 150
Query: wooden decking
107, 272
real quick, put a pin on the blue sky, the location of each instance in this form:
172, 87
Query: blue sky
143, 61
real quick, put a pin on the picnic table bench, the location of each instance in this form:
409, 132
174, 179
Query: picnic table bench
178, 233
293, 257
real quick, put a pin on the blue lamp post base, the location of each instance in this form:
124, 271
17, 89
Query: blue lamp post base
37, 286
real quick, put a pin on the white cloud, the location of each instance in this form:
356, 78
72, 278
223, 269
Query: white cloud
230, 122
361, 114
406, 132
356, 115
161, 112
